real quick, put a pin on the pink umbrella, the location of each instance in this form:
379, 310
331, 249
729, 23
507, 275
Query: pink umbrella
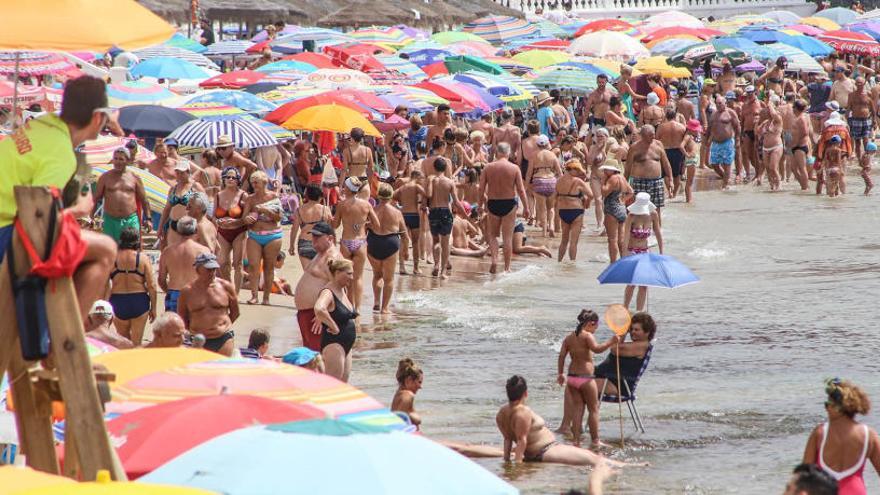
393, 123
473, 48
805, 29
26, 94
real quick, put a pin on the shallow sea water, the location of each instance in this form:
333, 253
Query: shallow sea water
788, 296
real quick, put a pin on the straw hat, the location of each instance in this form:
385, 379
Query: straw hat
223, 141
642, 205
542, 97
611, 165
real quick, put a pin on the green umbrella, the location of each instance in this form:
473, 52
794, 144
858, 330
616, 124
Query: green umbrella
464, 63
567, 79
450, 37
694, 55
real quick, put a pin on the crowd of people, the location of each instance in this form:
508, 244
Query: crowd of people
445, 188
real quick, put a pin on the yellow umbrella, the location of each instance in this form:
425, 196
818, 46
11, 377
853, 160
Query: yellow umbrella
79, 25
129, 364
658, 65
14, 479
330, 117
538, 59
114, 488
609, 65
821, 23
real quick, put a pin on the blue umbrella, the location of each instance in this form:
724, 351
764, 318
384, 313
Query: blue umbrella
284, 65
765, 35
740, 43
181, 41
648, 270
169, 68
812, 46
327, 456
427, 56
594, 69
151, 120
235, 98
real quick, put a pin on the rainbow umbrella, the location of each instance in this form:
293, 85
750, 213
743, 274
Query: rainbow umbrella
450, 37
390, 37
138, 93
498, 29
34, 63
156, 188
415, 94
512, 90
262, 378
288, 65
207, 110
129, 364
239, 99
510, 65
395, 96
402, 66
204, 133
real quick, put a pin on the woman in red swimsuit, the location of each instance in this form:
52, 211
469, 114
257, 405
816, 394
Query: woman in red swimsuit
227, 212
842, 446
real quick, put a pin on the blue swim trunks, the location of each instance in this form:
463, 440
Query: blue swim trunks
171, 298
723, 153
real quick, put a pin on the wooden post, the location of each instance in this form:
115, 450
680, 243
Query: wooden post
83, 412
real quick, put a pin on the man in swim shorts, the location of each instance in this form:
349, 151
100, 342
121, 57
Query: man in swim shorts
442, 198
500, 184
315, 276
671, 133
647, 167
209, 306
411, 196
176, 269
723, 129
125, 202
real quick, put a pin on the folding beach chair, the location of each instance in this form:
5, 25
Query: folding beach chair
629, 397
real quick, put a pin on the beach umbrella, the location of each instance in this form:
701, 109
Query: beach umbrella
168, 68
464, 63
569, 79
671, 45
393, 63
811, 46
822, 23
784, 17
391, 124
181, 41
674, 18
390, 37
288, 110
233, 80
428, 56
106, 487
15, 479
510, 65
450, 37
872, 29
608, 44
558, 45
149, 437
205, 133
128, 364
752, 66
851, 42
460, 99
805, 29
840, 15
472, 48
287, 65
285, 77
239, 99
318, 60
213, 110
658, 65
549, 30
738, 42
648, 270
228, 47
34, 63
480, 98
138, 93
696, 54
332, 118
263, 87
592, 68
414, 33
514, 91
538, 59
24, 94
178, 53
309, 454
415, 99
313, 34
798, 60
764, 35
337, 78
604, 25
428, 44
677, 31
151, 120
498, 29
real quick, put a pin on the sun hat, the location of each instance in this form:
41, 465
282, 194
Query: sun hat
542, 141
694, 125
182, 166
642, 205
709, 82
207, 260
832, 105
299, 356
223, 142
542, 97
353, 184
653, 99
610, 165
101, 307
834, 119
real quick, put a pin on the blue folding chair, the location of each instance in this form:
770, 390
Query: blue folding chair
629, 397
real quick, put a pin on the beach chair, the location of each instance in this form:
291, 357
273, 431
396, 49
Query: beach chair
629, 397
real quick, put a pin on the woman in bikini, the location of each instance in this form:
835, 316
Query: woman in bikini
176, 203
262, 213
615, 190
573, 196
336, 314
231, 228
641, 221
771, 146
353, 213
210, 177
357, 160
541, 177
842, 446
580, 389
454, 152
409, 382
306, 216
596, 156
132, 288
383, 245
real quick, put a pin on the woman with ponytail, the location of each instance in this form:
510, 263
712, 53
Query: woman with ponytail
580, 388
409, 382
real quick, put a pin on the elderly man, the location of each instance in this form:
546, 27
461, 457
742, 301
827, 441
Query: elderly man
205, 229
99, 326
231, 158
168, 331
862, 114
647, 167
723, 130
315, 276
125, 202
176, 269
671, 133
500, 184
209, 306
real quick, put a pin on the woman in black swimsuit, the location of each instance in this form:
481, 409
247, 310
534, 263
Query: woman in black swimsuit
133, 288
383, 245
338, 328
573, 196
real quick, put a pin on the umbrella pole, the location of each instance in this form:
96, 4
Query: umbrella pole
15, 92
619, 395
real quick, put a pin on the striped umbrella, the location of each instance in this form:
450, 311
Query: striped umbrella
405, 67
175, 52
798, 59
181, 41
34, 63
420, 94
288, 65
512, 93
851, 42
568, 79
228, 47
498, 29
548, 29
391, 37
251, 377
670, 46
336, 78
138, 93
97, 156
397, 95
233, 80
510, 65
204, 133
239, 99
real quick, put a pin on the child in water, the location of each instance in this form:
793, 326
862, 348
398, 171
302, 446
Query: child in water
409, 382
865, 163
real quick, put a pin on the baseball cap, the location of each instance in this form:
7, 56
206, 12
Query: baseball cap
101, 307
835, 139
653, 99
207, 260
171, 142
542, 140
750, 89
322, 228
730, 95
182, 166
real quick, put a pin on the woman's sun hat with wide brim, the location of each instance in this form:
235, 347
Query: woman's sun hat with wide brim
642, 205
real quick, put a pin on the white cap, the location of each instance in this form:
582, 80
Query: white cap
750, 89
182, 166
542, 141
832, 105
653, 99
101, 307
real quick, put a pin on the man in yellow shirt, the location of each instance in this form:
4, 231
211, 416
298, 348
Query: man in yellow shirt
40, 153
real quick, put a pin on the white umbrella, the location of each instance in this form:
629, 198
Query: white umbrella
608, 44
783, 17
674, 18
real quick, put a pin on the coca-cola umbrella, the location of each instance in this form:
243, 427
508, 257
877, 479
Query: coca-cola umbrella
851, 42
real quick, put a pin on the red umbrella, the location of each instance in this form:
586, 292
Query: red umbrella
547, 45
366, 98
702, 33
149, 437
234, 80
358, 56
458, 101
603, 25
285, 112
258, 47
393, 123
435, 69
319, 60
851, 42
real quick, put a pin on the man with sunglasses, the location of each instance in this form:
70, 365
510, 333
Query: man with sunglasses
41, 153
